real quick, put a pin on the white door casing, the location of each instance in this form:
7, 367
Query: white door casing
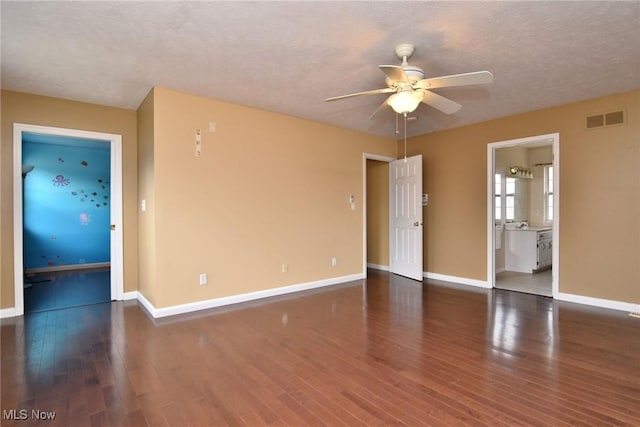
405, 217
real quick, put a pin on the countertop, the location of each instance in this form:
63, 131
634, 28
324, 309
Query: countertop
530, 229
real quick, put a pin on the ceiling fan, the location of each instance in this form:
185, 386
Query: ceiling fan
408, 86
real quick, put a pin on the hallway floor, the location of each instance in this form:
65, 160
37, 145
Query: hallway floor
65, 289
537, 284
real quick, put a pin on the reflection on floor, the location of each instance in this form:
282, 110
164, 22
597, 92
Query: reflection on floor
538, 283
64, 289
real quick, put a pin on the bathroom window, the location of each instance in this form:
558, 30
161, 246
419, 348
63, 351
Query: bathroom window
498, 197
548, 194
510, 199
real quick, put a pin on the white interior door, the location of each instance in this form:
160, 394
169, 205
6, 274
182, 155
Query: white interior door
405, 217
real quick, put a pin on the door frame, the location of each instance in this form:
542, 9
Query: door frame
365, 157
117, 260
554, 139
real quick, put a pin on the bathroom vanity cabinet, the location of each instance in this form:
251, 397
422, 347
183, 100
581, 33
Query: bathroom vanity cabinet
528, 250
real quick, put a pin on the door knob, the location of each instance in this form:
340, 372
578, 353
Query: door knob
113, 227
416, 224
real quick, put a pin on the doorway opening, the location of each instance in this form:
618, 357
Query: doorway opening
523, 215
67, 218
375, 212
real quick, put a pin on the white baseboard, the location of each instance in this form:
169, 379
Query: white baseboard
147, 305
378, 267
599, 302
67, 267
455, 279
130, 295
579, 299
7, 312
234, 299
218, 302
500, 270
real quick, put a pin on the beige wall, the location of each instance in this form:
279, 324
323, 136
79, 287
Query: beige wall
599, 196
45, 111
378, 213
146, 220
268, 190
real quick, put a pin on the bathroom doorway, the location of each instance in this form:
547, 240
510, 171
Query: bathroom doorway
523, 215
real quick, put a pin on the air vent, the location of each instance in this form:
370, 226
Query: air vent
615, 118
595, 121
606, 119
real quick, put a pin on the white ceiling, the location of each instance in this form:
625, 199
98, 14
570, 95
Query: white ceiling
288, 57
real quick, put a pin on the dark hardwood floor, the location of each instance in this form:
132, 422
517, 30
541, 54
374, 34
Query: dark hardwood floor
65, 289
385, 351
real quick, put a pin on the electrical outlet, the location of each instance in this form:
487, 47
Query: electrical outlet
285, 268
203, 279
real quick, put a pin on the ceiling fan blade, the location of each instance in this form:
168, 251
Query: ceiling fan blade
395, 73
369, 92
440, 102
381, 107
476, 78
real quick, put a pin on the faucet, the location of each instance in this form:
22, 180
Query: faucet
522, 225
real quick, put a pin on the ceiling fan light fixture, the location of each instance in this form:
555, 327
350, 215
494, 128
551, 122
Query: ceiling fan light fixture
405, 102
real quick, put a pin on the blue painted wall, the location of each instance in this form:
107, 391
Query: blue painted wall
66, 204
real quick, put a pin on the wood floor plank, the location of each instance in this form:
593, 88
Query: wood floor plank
386, 351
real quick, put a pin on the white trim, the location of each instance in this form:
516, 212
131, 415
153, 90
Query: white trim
67, 267
127, 296
117, 257
500, 270
18, 262
147, 304
378, 266
117, 209
599, 302
7, 312
235, 299
378, 157
365, 157
554, 139
456, 279
555, 254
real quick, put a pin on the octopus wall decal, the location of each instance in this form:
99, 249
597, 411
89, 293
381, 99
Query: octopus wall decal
85, 219
60, 181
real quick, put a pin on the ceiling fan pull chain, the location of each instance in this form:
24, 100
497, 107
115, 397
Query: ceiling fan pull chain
405, 137
397, 130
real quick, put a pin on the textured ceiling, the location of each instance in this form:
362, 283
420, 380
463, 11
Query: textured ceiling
288, 57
